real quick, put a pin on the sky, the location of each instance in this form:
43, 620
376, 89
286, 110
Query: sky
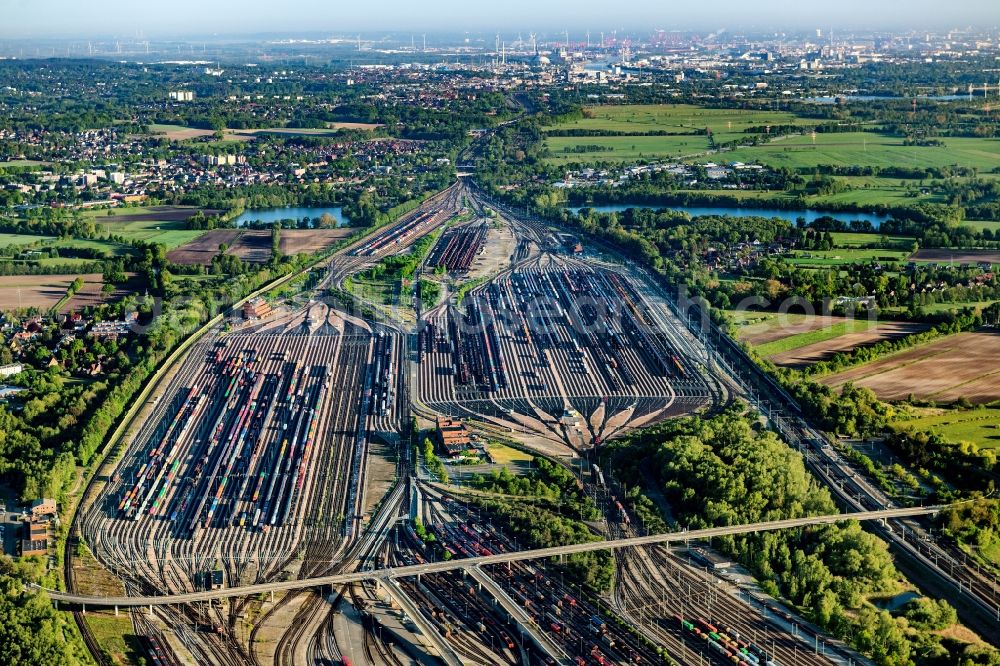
129, 18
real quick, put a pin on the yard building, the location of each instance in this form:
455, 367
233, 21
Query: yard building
453, 436
256, 308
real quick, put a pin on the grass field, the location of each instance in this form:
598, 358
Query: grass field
116, 636
981, 426
866, 149
625, 148
982, 225
864, 192
62, 243
798, 340
22, 163
172, 234
74, 262
872, 190
380, 292
761, 328
852, 240
22, 239
841, 256
945, 307
92, 244
505, 455
725, 124
156, 224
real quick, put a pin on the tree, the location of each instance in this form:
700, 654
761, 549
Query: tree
31, 633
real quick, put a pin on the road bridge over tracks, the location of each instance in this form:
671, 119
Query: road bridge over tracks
87, 601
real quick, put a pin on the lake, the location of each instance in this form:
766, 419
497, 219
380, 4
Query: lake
271, 215
790, 215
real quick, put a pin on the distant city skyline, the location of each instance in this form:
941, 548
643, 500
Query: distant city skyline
128, 19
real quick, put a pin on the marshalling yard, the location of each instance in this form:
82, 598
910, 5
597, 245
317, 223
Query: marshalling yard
559, 349
280, 449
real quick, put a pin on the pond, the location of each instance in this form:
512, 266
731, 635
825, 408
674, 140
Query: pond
790, 215
271, 215
895, 603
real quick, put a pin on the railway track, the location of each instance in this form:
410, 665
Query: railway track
590, 343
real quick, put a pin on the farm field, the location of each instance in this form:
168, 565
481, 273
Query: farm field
249, 245
45, 291
294, 241
981, 426
726, 124
179, 132
956, 256
964, 365
253, 245
822, 344
624, 148
91, 292
37, 291
865, 149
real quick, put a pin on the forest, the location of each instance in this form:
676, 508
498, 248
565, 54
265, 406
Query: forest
726, 470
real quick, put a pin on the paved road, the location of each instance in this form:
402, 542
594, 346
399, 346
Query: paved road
501, 558
519, 615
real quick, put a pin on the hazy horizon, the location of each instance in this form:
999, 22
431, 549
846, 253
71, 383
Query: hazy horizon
34, 19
